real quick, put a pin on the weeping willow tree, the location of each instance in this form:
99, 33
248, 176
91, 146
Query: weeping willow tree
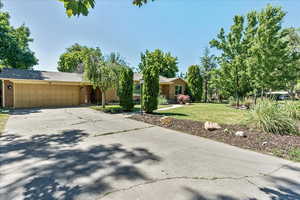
100, 74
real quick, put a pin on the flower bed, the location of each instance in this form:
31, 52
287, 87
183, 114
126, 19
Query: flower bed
285, 146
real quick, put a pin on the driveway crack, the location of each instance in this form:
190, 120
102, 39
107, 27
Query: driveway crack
122, 131
151, 181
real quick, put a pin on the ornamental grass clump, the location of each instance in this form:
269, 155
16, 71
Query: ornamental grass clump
292, 109
272, 117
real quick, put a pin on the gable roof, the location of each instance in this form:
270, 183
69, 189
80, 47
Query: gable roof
11, 73
22, 74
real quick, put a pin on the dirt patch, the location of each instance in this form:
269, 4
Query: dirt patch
278, 145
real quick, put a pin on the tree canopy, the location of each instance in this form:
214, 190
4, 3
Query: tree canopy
74, 57
208, 64
115, 58
195, 82
256, 55
99, 73
82, 7
14, 45
232, 59
292, 71
168, 66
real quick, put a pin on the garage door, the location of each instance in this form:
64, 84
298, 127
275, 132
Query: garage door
39, 95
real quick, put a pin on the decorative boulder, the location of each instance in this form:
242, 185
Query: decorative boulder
211, 126
166, 121
240, 134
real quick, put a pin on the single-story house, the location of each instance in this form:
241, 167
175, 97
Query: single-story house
31, 88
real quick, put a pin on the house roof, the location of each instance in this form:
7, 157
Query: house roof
162, 79
11, 73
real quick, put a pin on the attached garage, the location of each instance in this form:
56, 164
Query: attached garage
45, 95
30, 89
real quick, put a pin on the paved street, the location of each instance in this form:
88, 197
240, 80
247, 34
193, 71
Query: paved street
79, 153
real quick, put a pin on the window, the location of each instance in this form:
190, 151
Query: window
178, 89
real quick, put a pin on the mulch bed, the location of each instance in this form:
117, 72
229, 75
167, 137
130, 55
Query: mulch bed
278, 145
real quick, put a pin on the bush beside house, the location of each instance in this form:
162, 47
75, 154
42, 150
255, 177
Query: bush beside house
126, 89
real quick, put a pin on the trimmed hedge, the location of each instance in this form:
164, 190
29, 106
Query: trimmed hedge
125, 89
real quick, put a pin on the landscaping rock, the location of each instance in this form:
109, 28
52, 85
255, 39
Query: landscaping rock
226, 130
264, 143
211, 126
243, 107
240, 134
166, 121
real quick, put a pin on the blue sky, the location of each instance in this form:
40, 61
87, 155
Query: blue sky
183, 27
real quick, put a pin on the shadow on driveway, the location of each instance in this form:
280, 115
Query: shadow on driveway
60, 163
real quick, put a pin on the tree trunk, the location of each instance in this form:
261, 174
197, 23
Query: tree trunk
291, 92
206, 91
237, 92
103, 98
255, 98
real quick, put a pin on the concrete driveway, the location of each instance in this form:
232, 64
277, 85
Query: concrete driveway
79, 153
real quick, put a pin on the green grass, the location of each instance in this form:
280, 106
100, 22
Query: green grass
293, 154
220, 113
118, 109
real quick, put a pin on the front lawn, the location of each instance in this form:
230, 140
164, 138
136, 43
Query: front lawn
220, 113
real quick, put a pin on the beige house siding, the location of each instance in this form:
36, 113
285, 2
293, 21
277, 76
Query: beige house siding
165, 90
172, 92
177, 82
8, 93
111, 95
22, 93
85, 94
46, 95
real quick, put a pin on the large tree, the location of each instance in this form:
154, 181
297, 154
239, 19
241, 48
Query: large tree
81, 7
271, 57
195, 82
14, 45
291, 72
168, 63
74, 57
218, 84
208, 64
269, 54
100, 74
232, 58
257, 55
